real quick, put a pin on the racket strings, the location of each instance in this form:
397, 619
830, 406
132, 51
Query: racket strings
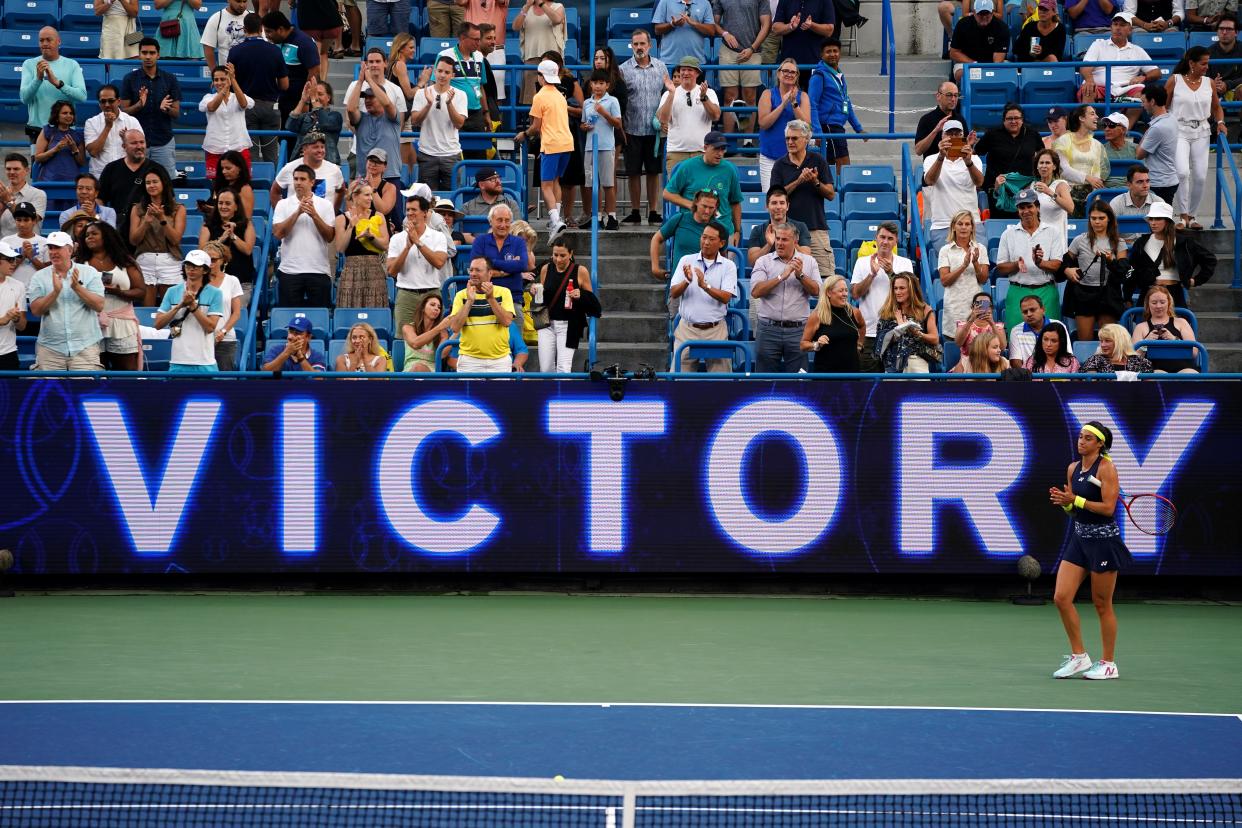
1152, 514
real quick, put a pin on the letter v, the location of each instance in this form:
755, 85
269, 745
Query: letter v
153, 522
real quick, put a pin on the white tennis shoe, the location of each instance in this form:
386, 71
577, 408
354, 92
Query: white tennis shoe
1102, 670
1073, 665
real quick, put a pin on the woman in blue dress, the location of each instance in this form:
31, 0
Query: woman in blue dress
1095, 546
186, 43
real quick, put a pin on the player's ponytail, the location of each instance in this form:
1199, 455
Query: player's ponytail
1104, 433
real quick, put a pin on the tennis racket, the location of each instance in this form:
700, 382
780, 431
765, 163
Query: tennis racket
1151, 514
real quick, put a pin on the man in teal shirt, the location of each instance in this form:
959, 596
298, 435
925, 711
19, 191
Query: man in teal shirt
712, 173
47, 79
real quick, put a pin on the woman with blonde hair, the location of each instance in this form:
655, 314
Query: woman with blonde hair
365, 356
906, 339
401, 53
523, 230
1160, 321
984, 356
1116, 353
362, 235
835, 330
963, 265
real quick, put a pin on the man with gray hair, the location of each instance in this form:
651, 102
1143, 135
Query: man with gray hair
780, 285
506, 253
807, 180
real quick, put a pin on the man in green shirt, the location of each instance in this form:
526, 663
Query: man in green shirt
711, 172
1117, 146
47, 79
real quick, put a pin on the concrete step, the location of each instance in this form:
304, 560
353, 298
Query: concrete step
619, 243
635, 296
1216, 296
630, 356
1224, 358
631, 326
1220, 327
630, 269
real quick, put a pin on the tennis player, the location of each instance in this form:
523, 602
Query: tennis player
1090, 498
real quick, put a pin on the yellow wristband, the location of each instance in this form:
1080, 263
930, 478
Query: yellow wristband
1080, 502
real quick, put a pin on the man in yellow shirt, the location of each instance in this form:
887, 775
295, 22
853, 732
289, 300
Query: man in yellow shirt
481, 314
549, 118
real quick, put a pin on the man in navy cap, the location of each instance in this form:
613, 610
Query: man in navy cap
298, 353
710, 172
491, 193
981, 38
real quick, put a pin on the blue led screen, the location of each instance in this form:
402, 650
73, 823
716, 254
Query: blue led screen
153, 476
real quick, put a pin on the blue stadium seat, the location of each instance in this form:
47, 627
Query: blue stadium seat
1048, 85
1205, 39
1132, 316
861, 178
857, 232
260, 233
429, 47
571, 48
384, 43
836, 230
748, 226
276, 327
952, 354
832, 209
26, 352
989, 92
1084, 349
871, 207
621, 48
146, 316
262, 173
572, 22
78, 16
742, 353
189, 198
754, 205
1160, 46
749, 176
79, 44
193, 224
378, 318
95, 75
623, 22
156, 354
336, 347
19, 42
263, 201
737, 320
418, 21
1107, 194
1082, 42
11, 77
31, 14
1074, 227
999, 288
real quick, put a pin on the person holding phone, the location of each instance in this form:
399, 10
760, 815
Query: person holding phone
980, 322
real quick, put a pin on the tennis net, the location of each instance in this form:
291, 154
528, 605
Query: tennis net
118, 798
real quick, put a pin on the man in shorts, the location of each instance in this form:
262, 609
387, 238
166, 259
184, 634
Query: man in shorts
601, 116
742, 26
549, 118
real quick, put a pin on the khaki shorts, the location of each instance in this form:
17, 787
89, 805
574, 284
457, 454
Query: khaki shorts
735, 77
607, 167
120, 345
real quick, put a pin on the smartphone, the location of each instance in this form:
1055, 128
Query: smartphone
955, 148
107, 277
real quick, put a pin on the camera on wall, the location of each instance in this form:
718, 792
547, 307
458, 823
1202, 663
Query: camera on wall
616, 377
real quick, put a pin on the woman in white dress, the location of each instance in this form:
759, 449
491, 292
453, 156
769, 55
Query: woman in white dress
1055, 201
963, 267
1194, 105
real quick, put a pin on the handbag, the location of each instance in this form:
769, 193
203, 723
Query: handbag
171, 29
135, 37
540, 316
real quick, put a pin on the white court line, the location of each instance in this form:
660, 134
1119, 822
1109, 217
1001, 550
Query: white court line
383, 703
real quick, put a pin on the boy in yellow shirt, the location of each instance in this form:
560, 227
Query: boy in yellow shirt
549, 118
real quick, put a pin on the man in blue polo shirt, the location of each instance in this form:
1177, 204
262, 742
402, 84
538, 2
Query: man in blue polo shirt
298, 352
507, 255
261, 73
153, 97
301, 55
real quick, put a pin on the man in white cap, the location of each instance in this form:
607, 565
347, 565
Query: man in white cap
69, 297
1030, 253
549, 119
951, 180
191, 310
12, 308
1125, 82
981, 38
1117, 146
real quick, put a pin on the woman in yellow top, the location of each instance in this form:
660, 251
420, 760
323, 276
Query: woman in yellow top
549, 119
1084, 162
362, 235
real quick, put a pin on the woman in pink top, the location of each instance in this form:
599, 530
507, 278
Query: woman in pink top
980, 322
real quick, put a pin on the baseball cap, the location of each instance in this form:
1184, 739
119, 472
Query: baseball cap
300, 324
984, 6
367, 92
1124, 15
1056, 113
715, 139
1161, 209
1118, 119
1048, 4
418, 188
1026, 196
8, 252
25, 208
198, 257
314, 137
379, 154
549, 71
484, 174
59, 239
951, 125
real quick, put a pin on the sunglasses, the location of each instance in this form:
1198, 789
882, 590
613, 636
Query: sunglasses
438, 98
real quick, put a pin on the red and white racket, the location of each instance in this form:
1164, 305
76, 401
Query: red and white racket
1151, 514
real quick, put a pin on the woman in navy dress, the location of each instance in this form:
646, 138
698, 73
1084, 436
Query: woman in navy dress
1095, 546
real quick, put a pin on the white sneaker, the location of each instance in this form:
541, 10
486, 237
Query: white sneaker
1102, 670
1073, 665
555, 231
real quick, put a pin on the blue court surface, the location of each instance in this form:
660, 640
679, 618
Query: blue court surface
621, 741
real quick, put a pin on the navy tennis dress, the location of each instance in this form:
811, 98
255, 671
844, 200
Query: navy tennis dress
1095, 540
